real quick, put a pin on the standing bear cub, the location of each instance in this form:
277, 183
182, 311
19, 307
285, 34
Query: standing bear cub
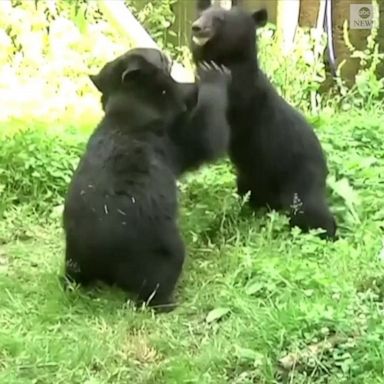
120, 213
276, 153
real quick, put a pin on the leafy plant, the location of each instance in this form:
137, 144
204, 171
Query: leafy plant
297, 76
368, 90
36, 166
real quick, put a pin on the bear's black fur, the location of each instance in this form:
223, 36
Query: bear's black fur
277, 155
120, 213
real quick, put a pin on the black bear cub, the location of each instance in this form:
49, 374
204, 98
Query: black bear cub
120, 213
276, 153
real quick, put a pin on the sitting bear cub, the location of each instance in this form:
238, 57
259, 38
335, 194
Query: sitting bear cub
120, 213
276, 153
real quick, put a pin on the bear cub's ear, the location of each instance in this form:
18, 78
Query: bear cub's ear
133, 68
96, 81
260, 17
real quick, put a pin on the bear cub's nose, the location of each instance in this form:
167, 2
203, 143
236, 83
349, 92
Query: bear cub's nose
196, 27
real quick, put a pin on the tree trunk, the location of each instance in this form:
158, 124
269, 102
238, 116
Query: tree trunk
119, 15
287, 19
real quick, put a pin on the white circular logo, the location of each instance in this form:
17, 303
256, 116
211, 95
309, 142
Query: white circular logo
364, 12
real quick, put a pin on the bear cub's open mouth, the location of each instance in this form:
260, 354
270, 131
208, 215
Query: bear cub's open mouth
200, 40
201, 34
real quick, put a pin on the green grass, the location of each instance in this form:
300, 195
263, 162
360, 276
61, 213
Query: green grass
252, 292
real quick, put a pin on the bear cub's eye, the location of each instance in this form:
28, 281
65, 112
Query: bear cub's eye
219, 18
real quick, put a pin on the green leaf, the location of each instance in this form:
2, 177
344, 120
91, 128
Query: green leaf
347, 193
216, 314
254, 288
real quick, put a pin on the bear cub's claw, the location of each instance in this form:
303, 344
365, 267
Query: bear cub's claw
213, 73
